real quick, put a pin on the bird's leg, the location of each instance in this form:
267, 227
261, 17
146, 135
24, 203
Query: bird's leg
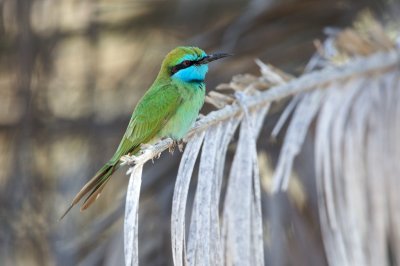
171, 148
128, 159
180, 145
176, 143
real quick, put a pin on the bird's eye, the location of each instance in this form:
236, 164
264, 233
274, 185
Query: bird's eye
184, 64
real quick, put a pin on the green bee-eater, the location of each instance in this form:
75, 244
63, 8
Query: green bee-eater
168, 109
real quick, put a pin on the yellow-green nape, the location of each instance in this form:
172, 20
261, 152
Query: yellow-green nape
182, 53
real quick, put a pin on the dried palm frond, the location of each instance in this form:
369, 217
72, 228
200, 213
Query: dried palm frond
356, 150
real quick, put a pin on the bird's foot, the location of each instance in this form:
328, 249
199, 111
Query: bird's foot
176, 143
128, 159
171, 148
180, 145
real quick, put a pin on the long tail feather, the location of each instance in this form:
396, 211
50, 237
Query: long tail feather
97, 190
94, 186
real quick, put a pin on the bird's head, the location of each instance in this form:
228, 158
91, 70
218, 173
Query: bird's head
188, 64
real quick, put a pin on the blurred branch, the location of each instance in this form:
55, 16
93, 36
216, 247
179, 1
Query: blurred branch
237, 28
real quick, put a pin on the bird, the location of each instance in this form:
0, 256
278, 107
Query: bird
169, 108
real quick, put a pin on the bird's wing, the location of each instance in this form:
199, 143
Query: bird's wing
154, 110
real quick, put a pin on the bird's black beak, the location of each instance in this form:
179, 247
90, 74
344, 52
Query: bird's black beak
212, 57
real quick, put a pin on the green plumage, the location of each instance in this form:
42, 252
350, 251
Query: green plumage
168, 109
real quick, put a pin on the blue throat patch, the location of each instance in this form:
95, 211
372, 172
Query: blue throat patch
192, 74
195, 73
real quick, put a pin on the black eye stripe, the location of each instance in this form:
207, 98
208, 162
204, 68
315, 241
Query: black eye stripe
184, 64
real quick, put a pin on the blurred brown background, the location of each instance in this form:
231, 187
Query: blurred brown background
71, 73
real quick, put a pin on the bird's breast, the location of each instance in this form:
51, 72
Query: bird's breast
185, 116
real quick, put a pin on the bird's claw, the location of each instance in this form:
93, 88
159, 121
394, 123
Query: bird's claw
171, 148
128, 159
176, 143
180, 146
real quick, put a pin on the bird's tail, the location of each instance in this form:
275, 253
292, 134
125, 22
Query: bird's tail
94, 186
